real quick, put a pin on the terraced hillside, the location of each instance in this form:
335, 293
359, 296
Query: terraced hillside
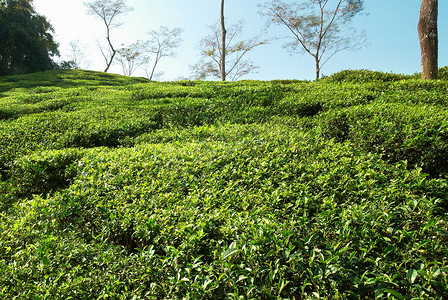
119, 188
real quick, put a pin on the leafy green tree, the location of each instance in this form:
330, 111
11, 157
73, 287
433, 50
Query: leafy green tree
26, 41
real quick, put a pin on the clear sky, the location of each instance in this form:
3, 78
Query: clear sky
391, 27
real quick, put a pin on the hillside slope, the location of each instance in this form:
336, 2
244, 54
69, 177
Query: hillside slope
120, 188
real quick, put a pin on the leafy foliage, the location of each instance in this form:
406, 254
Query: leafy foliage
26, 40
116, 187
364, 76
443, 73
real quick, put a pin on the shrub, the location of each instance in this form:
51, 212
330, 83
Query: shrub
443, 73
396, 132
44, 172
257, 217
209, 190
365, 76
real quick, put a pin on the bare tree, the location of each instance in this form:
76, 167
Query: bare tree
78, 55
317, 29
109, 12
219, 45
428, 35
161, 43
130, 58
220, 62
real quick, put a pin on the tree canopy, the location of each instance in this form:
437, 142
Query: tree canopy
26, 41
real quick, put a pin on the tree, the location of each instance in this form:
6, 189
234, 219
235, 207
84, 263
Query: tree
219, 45
130, 58
221, 57
26, 40
229, 62
76, 57
315, 28
109, 12
147, 54
428, 35
161, 43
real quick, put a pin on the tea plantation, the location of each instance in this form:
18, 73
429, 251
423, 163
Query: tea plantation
118, 188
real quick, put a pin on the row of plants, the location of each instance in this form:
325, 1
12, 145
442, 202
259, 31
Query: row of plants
364, 76
334, 189
279, 215
105, 110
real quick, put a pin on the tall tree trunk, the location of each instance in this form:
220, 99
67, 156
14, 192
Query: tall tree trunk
112, 49
428, 35
317, 68
155, 65
223, 44
109, 63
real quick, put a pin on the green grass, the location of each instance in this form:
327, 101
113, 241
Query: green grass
118, 188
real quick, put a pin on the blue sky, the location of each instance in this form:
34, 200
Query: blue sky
390, 25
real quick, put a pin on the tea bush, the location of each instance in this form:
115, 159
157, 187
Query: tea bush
114, 187
396, 132
43, 172
443, 73
364, 76
279, 215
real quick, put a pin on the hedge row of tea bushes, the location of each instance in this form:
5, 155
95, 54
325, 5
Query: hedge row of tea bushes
199, 190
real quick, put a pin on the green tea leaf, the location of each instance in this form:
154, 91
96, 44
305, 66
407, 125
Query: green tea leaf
411, 275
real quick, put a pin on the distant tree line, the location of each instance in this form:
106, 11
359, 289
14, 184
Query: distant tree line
320, 28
